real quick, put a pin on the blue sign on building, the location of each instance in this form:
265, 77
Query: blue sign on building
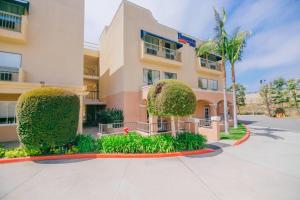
184, 39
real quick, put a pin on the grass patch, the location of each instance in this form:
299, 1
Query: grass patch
234, 133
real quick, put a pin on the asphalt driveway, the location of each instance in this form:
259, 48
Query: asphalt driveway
265, 167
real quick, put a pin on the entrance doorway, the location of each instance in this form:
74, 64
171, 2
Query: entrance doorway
206, 113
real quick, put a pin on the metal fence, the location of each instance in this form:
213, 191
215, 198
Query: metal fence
204, 123
147, 128
154, 49
10, 21
9, 76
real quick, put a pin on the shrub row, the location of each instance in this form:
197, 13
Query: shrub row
131, 143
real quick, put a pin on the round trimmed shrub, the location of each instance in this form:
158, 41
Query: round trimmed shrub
47, 117
171, 98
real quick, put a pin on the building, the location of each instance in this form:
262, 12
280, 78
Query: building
136, 51
40, 46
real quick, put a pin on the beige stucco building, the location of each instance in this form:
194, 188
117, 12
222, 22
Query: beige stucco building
136, 51
42, 45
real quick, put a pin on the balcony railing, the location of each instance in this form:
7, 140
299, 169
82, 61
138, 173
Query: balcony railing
91, 71
156, 50
9, 76
10, 21
210, 64
93, 95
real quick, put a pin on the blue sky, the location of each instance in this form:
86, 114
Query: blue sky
272, 51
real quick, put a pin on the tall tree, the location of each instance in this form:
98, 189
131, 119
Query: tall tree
235, 47
294, 93
240, 95
265, 94
218, 46
278, 92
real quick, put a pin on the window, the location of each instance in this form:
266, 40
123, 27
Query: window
203, 62
151, 44
202, 83
7, 112
170, 75
10, 60
150, 76
213, 84
5, 76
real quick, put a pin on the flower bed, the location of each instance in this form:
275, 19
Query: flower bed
132, 143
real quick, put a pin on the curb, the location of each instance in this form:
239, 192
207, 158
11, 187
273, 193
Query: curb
104, 155
243, 139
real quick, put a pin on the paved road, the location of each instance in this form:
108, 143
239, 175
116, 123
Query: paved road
265, 167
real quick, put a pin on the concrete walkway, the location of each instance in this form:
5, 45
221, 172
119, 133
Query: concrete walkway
264, 167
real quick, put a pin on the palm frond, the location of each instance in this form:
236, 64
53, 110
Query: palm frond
206, 48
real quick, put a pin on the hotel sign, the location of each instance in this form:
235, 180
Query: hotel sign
186, 40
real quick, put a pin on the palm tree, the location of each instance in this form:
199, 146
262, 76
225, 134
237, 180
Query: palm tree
235, 47
218, 46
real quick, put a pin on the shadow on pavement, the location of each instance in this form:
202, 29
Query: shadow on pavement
267, 132
217, 146
247, 122
65, 161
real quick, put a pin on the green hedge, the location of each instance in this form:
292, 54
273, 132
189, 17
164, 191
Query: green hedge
171, 98
110, 115
47, 117
163, 143
131, 143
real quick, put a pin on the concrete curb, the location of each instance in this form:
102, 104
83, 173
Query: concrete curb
243, 139
104, 155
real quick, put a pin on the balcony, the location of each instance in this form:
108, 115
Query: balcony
156, 54
91, 73
13, 27
208, 66
11, 75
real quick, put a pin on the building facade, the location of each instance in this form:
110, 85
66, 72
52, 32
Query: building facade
41, 45
136, 51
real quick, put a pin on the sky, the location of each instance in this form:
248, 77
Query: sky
272, 50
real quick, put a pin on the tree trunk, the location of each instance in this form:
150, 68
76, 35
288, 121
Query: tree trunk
225, 98
267, 101
234, 96
173, 128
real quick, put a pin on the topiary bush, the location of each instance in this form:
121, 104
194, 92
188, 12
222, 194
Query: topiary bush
171, 98
47, 117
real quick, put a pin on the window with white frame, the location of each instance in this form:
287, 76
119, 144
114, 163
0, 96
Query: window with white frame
209, 84
10, 60
202, 83
150, 76
170, 75
8, 112
9, 65
213, 84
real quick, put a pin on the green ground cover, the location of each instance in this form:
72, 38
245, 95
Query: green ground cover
121, 143
234, 133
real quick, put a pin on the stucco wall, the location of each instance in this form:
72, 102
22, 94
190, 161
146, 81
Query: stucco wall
137, 18
54, 46
112, 56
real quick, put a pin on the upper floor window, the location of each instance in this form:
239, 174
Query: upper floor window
213, 84
150, 76
204, 83
10, 60
9, 66
7, 112
170, 75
